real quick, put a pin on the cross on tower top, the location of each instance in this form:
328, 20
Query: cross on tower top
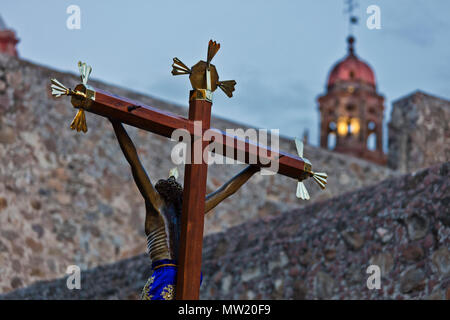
351, 5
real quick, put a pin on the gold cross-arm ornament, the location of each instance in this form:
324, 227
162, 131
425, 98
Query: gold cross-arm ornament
79, 95
319, 177
203, 75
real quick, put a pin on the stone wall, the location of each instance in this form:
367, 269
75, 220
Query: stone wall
419, 132
68, 198
319, 252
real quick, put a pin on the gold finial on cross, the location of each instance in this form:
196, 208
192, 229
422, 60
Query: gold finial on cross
203, 75
319, 177
81, 96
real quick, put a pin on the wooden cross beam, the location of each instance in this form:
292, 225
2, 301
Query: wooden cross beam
204, 80
164, 123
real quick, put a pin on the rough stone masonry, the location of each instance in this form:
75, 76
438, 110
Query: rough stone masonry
321, 251
419, 132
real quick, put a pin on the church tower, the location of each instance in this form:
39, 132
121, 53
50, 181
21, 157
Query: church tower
351, 110
8, 40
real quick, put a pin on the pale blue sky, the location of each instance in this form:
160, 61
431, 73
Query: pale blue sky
279, 52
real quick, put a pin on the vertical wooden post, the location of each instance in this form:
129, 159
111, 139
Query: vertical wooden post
192, 218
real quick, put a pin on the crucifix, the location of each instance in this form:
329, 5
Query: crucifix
167, 198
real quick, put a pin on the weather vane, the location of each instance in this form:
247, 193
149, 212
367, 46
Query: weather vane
353, 20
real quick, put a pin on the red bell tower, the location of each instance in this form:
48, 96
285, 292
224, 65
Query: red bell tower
351, 110
8, 40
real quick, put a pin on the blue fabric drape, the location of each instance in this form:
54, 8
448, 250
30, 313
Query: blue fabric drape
161, 284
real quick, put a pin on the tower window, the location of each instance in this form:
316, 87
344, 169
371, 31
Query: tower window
332, 126
371, 125
342, 126
352, 74
354, 126
331, 141
372, 142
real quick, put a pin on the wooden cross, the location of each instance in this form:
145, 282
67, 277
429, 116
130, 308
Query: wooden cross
204, 80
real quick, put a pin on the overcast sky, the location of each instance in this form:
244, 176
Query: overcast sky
279, 52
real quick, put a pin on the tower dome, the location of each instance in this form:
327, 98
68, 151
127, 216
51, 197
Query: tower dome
352, 69
8, 40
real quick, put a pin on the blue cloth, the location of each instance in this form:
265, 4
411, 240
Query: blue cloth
161, 284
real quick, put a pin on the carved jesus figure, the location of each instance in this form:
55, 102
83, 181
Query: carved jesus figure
163, 206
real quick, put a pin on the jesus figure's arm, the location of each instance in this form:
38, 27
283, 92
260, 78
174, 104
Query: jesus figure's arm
140, 176
229, 188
